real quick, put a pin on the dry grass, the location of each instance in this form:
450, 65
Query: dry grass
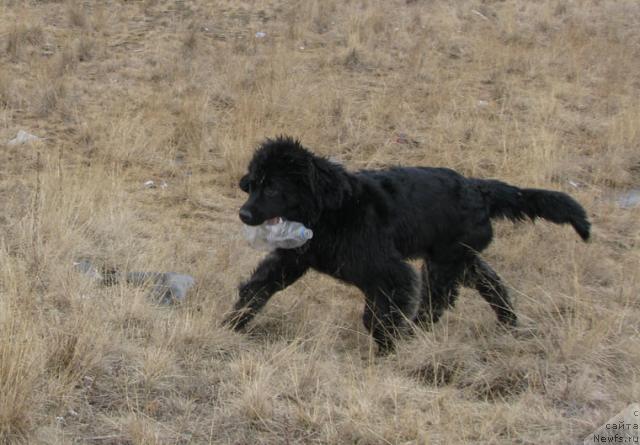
535, 93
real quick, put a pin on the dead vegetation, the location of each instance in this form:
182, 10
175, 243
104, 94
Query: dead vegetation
535, 93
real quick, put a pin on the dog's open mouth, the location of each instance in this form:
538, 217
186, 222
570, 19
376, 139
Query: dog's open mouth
272, 221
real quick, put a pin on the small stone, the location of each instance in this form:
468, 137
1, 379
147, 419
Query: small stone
22, 138
630, 199
405, 139
88, 269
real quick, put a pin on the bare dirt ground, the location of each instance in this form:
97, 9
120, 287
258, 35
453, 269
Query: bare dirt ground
540, 94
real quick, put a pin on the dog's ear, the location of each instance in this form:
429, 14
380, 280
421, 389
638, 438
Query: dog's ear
244, 183
329, 183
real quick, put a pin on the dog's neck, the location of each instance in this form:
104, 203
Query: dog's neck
353, 194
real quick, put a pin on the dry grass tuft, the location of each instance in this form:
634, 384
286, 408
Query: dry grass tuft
541, 94
50, 95
21, 34
190, 41
5, 89
20, 372
76, 14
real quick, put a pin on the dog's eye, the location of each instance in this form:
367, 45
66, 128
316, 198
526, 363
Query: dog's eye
270, 191
245, 184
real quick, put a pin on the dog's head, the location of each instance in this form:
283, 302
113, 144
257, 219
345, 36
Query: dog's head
286, 180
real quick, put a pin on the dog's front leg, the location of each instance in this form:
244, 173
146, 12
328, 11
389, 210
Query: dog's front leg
278, 270
391, 302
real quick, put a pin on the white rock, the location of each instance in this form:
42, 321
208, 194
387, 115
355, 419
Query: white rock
22, 138
629, 199
261, 35
88, 269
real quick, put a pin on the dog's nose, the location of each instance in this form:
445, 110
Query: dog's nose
245, 215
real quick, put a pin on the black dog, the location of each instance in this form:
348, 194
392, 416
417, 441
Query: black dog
366, 223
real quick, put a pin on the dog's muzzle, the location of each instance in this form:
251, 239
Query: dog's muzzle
246, 217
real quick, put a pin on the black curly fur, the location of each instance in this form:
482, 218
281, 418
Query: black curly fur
367, 223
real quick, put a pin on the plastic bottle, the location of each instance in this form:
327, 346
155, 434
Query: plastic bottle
281, 235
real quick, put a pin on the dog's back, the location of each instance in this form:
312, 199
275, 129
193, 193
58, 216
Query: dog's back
427, 207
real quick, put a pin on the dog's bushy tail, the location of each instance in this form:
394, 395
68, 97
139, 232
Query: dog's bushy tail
516, 204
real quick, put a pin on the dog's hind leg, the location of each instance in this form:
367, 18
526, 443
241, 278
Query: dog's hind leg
440, 283
487, 282
278, 270
391, 303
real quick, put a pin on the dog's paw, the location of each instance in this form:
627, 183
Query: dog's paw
236, 320
508, 320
